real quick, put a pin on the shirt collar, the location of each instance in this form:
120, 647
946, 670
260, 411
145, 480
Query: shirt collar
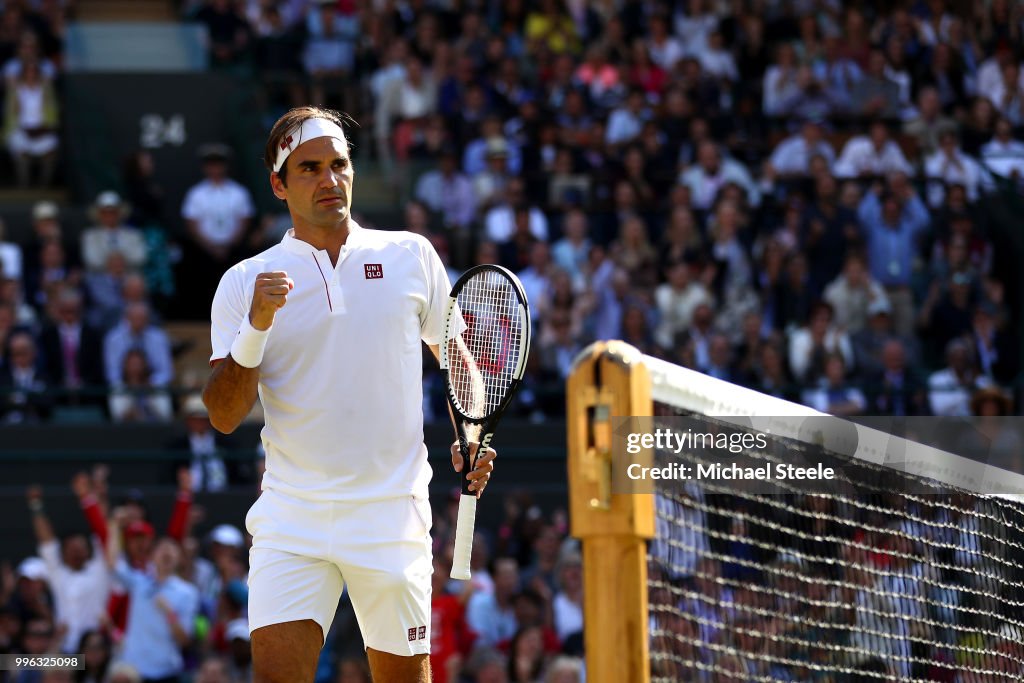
293, 244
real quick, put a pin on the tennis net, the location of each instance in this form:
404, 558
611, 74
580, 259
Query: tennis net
908, 572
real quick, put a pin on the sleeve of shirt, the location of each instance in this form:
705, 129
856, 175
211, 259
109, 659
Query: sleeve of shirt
50, 552
228, 310
190, 209
187, 610
439, 288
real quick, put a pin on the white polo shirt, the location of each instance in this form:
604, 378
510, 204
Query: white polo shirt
341, 379
217, 208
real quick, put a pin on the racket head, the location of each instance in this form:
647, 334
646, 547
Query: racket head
486, 342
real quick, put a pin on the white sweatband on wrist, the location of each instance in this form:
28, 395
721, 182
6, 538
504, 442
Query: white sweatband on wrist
247, 349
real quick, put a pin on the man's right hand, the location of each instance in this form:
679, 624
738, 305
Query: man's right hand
269, 295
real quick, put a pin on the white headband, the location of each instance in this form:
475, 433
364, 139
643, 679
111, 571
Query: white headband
310, 129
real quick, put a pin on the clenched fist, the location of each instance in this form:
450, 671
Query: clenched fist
270, 294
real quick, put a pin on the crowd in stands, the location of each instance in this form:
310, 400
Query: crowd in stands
814, 198
146, 604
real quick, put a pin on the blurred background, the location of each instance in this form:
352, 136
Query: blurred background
818, 199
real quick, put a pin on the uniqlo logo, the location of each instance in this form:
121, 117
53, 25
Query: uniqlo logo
374, 271
412, 634
422, 633
417, 633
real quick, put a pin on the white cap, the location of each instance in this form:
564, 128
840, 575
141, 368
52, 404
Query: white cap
237, 628
108, 200
33, 568
225, 534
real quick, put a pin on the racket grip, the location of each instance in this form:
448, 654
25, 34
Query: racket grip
464, 530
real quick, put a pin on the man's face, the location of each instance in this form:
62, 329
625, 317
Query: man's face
215, 169
76, 552
319, 189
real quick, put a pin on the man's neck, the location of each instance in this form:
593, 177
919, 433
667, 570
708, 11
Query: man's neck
329, 240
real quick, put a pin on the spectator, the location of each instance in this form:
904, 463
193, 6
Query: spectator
30, 125
809, 345
780, 82
10, 256
835, 395
448, 192
73, 348
214, 670
110, 235
1003, 155
490, 615
852, 294
23, 389
162, 608
227, 30
206, 449
876, 94
892, 224
330, 51
217, 212
897, 389
707, 177
950, 389
948, 165
872, 155
136, 331
792, 157
499, 222
136, 399
80, 583
567, 607
96, 650
676, 301
929, 122
626, 122
564, 670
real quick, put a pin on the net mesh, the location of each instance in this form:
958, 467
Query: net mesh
906, 578
484, 357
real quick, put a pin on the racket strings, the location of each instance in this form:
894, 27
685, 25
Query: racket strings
482, 370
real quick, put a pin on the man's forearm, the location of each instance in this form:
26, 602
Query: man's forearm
230, 394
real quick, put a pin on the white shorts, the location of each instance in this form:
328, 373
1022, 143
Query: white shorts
303, 552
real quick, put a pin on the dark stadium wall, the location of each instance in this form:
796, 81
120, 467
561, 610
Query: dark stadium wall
531, 459
171, 116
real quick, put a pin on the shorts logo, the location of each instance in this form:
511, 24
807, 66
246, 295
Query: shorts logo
417, 633
374, 271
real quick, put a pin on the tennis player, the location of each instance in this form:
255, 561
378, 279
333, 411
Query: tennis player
326, 328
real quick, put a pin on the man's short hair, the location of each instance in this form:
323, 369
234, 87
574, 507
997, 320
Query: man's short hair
291, 120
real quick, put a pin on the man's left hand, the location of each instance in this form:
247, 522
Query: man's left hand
482, 466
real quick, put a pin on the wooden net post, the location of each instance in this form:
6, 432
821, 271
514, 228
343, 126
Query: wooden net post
609, 380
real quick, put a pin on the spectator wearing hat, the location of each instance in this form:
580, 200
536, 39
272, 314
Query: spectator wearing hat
111, 235
138, 534
162, 608
205, 448
217, 577
217, 212
31, 597
78, 578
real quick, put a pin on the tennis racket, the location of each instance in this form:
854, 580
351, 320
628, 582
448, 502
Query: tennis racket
483, 357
